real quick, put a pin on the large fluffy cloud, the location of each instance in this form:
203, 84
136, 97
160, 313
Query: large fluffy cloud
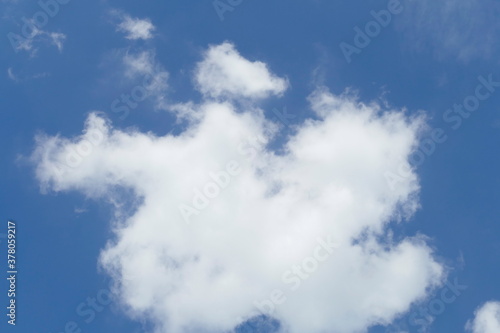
487, 319
225, 228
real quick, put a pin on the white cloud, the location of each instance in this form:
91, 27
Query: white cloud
242, 243
136, 28
225, 73
487, 319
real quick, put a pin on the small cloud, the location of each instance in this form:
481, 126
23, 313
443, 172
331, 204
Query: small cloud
57, 39
225, 73
11, 75
136, 28
80, 210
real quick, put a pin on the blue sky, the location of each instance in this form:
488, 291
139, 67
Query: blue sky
367, 146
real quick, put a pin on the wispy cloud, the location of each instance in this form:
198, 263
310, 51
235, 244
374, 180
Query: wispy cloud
16, 77
464, 30
153, 78
135, 28
57, 39
37, 36
11, 75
